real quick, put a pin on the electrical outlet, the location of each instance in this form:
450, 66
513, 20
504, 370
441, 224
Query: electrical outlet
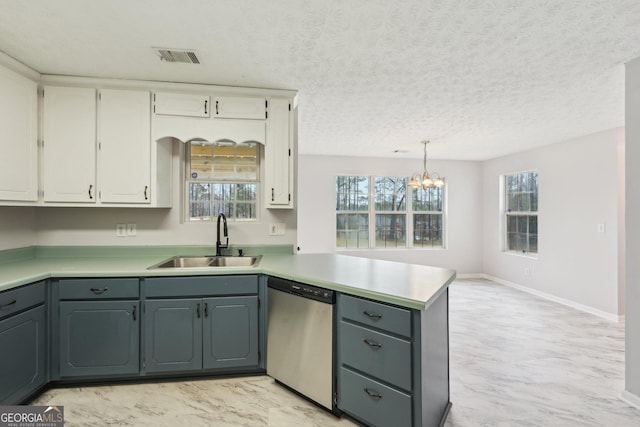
121, 230
131, 229
277, 229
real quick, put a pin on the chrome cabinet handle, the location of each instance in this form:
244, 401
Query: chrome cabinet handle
216, 108
373, 393
146, 197
198, 310
206, 308
372, 316
90, 195
205, 106
273, 194
134, 312
9, 304
372, 344
99, 291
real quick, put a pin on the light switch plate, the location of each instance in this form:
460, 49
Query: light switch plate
121, 230
131, 229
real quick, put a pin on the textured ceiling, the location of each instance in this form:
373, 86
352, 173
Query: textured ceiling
480, 79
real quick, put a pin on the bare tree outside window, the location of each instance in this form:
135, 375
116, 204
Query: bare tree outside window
521, 212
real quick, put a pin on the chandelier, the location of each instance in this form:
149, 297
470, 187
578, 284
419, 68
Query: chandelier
426, 180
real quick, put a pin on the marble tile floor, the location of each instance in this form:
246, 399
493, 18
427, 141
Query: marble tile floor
516, 360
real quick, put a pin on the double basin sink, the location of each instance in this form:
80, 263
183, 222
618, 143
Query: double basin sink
208, 261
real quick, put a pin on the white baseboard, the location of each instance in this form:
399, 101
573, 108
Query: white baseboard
630, 398
470, 276
569, 303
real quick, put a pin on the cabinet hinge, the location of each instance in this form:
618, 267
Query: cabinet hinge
289, 152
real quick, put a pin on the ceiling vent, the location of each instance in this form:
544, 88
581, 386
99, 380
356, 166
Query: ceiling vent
177, 55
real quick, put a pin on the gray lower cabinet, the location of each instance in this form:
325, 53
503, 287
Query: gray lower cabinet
99, 338
22, 355
98, 327
218, 330
393, 362
230, 335
173, 335
195, 334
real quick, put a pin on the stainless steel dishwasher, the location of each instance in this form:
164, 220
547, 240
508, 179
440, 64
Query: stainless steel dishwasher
300, 339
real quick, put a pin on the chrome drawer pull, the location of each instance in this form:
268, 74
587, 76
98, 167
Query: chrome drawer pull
99, 291
134, 313
373, 394
372, 344
373, 316
9, 304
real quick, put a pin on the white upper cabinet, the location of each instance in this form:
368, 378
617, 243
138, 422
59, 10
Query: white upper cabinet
180, 104
279, 155
240, 107
124, 146
18, 138
69, 144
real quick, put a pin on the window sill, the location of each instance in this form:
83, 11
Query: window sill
521, 255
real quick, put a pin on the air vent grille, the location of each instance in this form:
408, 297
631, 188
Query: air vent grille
177, 55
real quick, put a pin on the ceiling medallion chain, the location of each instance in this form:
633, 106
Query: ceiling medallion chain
426, 180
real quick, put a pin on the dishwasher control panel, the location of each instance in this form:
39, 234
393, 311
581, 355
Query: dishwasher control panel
302, 289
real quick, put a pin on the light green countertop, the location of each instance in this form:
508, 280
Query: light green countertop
407, 285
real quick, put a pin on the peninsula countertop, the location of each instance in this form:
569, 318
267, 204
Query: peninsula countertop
407, 285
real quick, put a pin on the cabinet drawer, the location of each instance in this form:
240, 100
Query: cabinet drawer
201, 286
21, 298
382, 356
373, 402
381, 316
99, 288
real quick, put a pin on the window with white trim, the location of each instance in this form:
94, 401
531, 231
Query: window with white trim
222, 178
402, 217
521, 212
428, 216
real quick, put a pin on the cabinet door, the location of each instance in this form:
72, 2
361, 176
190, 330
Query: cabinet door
69, 144
240, 107
173, 335
99, 338
181, 104
124, 146
18, 137
230, 332
23, 357
278, 156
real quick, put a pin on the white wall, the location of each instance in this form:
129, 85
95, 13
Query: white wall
632, 234
97, 226
316, 208
578, 184
17, 227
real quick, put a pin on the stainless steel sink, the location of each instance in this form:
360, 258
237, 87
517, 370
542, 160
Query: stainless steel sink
208, 261
234, 261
